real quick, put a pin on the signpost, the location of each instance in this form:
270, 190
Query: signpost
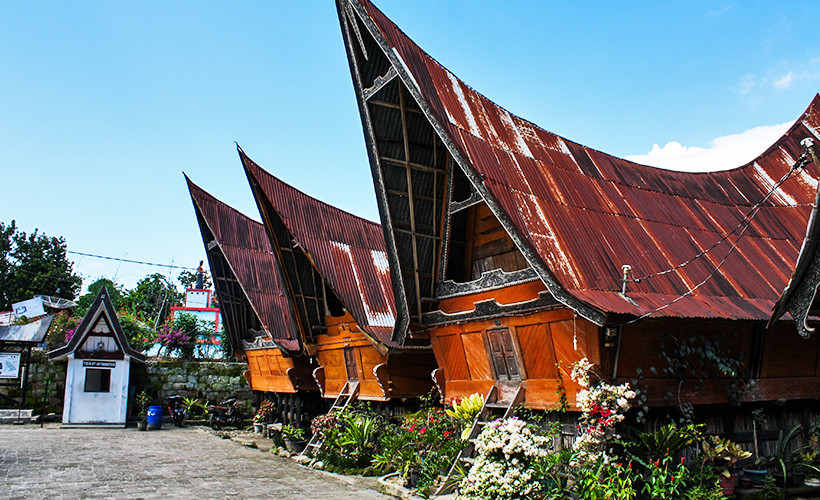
9, 364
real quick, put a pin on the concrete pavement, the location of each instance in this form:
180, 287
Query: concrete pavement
168, 463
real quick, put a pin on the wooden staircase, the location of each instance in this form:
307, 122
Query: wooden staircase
491, 410
349, 393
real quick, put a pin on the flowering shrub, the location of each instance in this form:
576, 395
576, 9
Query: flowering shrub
665, 478
173, 338
508, 452
266, 409
602, 407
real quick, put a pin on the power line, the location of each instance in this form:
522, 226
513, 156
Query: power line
743, 226
744, 223
131, 261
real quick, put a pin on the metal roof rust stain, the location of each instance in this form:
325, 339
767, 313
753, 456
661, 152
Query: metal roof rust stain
343, 248
245, 245
647, 206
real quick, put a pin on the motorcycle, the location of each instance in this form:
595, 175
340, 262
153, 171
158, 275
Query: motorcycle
226, 414
176, 409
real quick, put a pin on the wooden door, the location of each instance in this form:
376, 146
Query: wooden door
503, 355
350, 364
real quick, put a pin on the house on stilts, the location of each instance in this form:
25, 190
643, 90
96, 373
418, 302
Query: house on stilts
257, 314
515, 252
335, 271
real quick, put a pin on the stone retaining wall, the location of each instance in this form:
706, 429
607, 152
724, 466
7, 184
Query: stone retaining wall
212, 381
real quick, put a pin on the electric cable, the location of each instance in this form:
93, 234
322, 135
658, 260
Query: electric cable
131, 261
802, 162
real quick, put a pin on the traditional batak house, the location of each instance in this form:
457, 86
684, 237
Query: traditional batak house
517, 252
256, 312
335, 271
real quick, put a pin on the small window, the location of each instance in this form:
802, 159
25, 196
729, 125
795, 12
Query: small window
97, 380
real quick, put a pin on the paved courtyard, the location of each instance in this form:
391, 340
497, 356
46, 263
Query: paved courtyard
168, 463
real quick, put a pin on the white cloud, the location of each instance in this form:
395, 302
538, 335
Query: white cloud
784, 81
722, 153
746, 84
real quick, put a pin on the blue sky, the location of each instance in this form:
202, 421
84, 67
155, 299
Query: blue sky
104, 104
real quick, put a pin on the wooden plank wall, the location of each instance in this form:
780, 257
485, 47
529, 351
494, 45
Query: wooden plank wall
489, 246
343, 332
544, 340
783, 364
268, 370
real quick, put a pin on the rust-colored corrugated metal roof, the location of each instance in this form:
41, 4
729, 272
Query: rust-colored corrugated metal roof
248, 252
348, 252
586, 213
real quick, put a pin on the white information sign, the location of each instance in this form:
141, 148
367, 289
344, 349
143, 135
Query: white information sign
9, 364
31, 308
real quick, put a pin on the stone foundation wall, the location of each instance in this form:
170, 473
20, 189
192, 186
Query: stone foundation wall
207, 380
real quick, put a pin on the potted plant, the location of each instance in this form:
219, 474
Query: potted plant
807, 464
142, 401
724, 456
756, 471
260, 418
782, 460
294, 438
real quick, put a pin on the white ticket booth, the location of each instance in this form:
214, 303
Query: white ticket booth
99, 366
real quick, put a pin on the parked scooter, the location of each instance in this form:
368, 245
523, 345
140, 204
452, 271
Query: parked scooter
226, 414
176, 409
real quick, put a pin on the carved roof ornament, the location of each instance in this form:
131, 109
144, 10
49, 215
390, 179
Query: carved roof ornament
800, 296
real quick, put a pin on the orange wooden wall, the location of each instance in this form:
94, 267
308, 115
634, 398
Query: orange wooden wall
267, 370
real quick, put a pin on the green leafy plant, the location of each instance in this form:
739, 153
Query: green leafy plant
142, 401
669, 440
610, 481
783, 457
723, 455
466, 408
293, 433
665, 479
193, 406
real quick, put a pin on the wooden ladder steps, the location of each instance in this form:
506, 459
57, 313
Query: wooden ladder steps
490, 408
346, 396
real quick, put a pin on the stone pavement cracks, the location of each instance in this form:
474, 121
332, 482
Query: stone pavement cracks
166, 463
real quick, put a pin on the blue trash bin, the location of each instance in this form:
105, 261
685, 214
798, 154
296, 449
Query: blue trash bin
154, 417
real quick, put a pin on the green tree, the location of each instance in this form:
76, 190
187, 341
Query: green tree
188, 279
140, 336
115, 293
152, 299
33, 264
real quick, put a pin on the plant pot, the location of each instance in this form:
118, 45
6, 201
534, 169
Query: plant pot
142, 425
295, 446
727, 484
757, 476
792, 479
258, 427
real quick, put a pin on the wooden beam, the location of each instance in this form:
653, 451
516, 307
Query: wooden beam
391, 105
406, 195
418, 166
410, 200
420, 235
